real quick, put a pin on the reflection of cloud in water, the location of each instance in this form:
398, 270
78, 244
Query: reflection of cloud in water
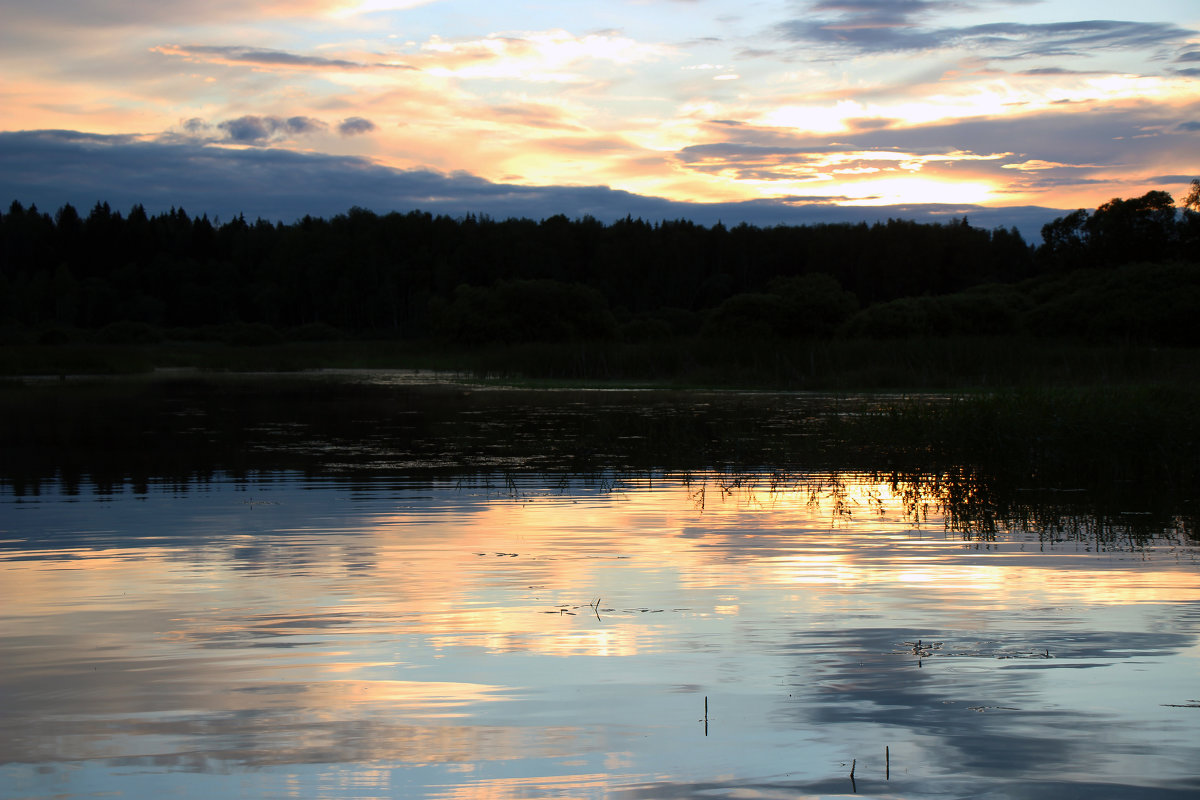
374, 627
983, 700
1003, 787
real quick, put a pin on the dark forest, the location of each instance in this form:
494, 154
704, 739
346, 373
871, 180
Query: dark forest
1127, 271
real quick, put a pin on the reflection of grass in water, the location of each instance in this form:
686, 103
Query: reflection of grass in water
987, 460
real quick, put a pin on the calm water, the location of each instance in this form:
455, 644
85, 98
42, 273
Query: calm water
277, 633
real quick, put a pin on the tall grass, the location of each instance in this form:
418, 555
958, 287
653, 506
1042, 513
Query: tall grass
919, 364
1054, 438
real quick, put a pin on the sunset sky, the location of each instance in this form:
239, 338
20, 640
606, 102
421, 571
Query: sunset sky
772, 111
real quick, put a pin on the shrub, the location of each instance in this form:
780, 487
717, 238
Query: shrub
128, 332
645, 329
746, 316
315, 332
1155, 303
908, 316
249, 334
525, 311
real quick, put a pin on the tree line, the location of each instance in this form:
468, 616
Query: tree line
1127, 269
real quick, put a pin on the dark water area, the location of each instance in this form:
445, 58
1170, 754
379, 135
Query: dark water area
368, 585
110, 432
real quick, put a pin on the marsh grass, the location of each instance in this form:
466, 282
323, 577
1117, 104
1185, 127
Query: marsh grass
919, 364
1109, 466
1105, 433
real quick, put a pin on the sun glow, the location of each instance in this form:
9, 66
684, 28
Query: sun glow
346, 9
888, 191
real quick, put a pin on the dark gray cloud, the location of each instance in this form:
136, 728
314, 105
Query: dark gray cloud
252, 129
887, 26
1015, 40
51, 168
249, 128
872, 25
1051, 71
353, 126
195, 126
304, 125
265, 57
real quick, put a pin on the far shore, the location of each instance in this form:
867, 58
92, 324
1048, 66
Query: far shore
915, 364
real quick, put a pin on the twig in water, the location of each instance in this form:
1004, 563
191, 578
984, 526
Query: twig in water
853, 785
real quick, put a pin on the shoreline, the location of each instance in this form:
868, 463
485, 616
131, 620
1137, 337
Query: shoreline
959, 365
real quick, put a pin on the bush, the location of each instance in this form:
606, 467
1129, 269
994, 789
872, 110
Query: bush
56, 336
746, 316
908, 316
15, 335
249, 334
128, 332
525, 311
315, 332
644, 329
798, 306
1154, 303
981, 311
817, 303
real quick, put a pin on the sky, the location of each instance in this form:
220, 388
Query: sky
788, 111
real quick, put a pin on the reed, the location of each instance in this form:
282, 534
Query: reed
917, 364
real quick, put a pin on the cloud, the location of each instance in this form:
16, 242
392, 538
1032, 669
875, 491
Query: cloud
1016, 40
868, 25
553, 56
1043, 71
354, 126
532, 115
234, 54
899, 26
985, 159
252, 129
1035, 165
139, 13
51, 168
872, 175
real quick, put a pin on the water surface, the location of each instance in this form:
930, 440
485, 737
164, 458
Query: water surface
632, 633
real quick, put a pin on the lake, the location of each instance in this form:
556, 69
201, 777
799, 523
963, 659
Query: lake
379, 585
